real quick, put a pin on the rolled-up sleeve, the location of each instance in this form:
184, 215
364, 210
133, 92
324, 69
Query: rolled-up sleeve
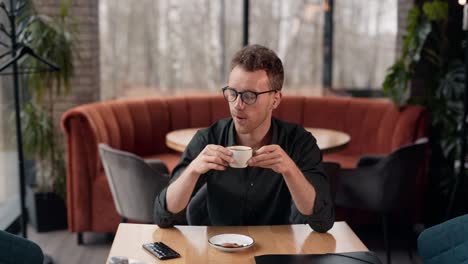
308, 157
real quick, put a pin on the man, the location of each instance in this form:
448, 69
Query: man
283, 183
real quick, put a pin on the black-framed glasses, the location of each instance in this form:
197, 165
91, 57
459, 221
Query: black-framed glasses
248, 97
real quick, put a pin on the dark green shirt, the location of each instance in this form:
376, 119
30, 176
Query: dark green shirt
253, 195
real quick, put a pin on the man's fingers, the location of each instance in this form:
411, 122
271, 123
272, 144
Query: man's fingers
219, 151
214, 163
266, 149
216, 160
217, 148
268, 163
265, 156
221, 155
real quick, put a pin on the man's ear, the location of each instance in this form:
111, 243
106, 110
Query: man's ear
276, 100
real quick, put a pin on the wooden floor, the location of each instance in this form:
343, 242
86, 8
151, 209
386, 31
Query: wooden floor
62, 247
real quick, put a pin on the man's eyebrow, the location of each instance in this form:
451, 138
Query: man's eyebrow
245, 90
248, 90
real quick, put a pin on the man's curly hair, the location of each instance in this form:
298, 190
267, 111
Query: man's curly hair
256, 57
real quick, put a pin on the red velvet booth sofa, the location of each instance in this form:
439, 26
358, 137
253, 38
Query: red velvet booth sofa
140, 126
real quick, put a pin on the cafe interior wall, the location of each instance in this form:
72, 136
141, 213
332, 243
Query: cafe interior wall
86, 81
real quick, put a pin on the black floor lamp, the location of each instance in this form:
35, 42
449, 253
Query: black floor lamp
17, 51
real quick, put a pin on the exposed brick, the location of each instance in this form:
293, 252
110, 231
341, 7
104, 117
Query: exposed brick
85, 84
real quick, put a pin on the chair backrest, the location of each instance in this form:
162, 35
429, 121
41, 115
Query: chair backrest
379, 187
398, 171
331, 169
18, 250
134, 184
446, 242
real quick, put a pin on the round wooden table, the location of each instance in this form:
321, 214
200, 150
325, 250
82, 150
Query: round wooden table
328, 140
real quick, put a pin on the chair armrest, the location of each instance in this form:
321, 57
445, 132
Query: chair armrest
158, 166
82, 160
369, 160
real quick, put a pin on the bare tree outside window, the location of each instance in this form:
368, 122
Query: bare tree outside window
294, 29
166, 47
170, 47
364, 42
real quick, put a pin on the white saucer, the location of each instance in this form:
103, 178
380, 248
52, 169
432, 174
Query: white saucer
242, 240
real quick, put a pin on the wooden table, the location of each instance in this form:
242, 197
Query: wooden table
328, 140
192, 242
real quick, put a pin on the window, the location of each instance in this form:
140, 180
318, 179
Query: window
9, 175
364, 42
167, 47
294, 30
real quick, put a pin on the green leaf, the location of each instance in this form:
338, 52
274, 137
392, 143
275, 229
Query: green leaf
413, 21
37, 128
436, 10
395, 83
433, 57
52, 38
423, 31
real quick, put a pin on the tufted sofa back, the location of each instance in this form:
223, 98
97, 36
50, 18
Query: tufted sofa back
140, 125
375, 126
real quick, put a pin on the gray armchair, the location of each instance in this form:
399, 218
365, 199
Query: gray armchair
379, 183
134, 182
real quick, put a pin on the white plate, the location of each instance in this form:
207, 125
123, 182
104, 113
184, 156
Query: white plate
242, 240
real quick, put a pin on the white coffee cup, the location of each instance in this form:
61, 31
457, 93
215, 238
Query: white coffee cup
240, 154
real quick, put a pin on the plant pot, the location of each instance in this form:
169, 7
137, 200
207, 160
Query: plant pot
46, 210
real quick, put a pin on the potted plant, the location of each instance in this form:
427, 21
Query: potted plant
51, 38
425, 60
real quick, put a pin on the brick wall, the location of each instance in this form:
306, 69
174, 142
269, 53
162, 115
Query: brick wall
85, 84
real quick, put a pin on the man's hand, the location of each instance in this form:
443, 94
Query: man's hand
212, 157
272, 157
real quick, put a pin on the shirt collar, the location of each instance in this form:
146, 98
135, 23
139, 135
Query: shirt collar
274, 136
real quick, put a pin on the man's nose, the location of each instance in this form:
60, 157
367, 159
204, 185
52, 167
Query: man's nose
239, 103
